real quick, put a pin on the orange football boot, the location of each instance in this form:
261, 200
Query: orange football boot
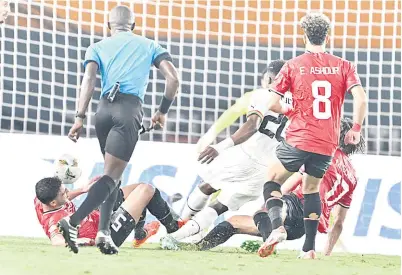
268, 247
181, 222
151, 229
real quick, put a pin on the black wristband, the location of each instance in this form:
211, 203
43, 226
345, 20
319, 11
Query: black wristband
82, 116
165, 105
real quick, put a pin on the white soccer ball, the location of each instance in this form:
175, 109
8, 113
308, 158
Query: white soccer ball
67, 169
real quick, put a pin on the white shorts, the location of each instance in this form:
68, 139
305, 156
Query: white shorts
239, 177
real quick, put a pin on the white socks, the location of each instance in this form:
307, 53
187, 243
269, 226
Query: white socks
200, 221
195, 202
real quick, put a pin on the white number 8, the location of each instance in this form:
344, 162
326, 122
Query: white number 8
321, 98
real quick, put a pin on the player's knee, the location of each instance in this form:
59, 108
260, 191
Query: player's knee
278, 173
206, 188
147, 190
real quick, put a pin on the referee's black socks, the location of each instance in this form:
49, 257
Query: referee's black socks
97, 194
273, 203
312, 213
158, 207
106, 210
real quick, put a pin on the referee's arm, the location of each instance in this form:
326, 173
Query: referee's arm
87, 88
91, 65
169, 71
163, 61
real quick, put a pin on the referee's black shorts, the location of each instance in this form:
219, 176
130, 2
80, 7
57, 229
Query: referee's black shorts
118, 125
293, 159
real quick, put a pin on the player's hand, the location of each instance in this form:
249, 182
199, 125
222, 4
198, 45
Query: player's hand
158, 120
75, 131
85, 188
352, 137
208, 155
205, 140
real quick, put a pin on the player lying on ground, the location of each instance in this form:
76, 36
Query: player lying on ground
239, 171
317, 82
336, 191
53, 202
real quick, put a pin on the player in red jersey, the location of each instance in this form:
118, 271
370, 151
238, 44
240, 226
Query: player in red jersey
336, 191
317, 82
53, 202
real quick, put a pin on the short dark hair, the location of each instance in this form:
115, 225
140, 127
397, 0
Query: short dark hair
349, 149
273, 68
316, 26
47, 189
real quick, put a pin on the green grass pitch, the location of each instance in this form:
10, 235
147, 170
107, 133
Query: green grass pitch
24, 256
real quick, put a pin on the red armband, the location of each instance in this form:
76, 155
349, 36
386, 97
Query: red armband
356, 127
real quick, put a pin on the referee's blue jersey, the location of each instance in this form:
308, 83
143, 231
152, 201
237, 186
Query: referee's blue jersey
126, 58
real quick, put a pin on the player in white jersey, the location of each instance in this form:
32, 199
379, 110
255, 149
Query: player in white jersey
237, 166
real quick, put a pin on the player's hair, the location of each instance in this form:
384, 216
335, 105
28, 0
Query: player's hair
47, 189
273, 68
316, 26
349, 149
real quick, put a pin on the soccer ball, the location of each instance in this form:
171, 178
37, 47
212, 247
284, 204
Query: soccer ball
67, 169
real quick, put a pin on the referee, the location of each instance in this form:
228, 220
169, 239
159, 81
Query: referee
124, 61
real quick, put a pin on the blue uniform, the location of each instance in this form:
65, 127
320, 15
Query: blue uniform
126, 58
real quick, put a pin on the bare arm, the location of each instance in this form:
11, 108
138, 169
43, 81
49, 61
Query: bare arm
247, 129
87, 87
226, 119
241, 135
169, 72
359, 104
333, 236
274, 103
72, 194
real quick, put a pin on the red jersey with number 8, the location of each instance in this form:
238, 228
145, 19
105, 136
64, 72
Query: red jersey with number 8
318, 83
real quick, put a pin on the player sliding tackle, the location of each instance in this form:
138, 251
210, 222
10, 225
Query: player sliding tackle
318, 82
239, 170
53, 202
336, 191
